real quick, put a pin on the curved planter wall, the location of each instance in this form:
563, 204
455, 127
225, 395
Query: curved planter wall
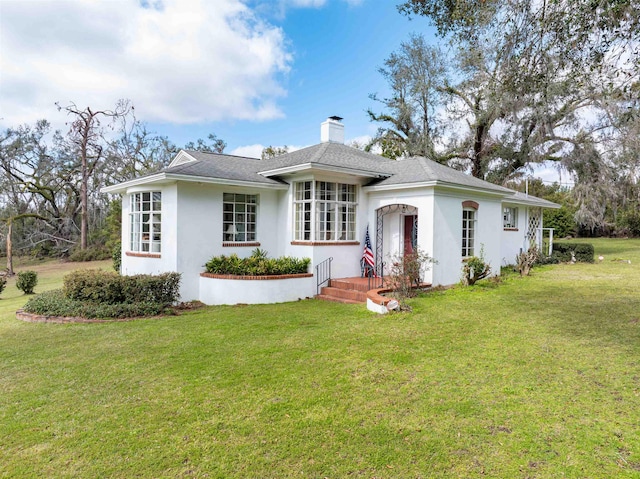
229, 289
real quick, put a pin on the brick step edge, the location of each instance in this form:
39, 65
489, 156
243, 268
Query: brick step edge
333, 299
351, 294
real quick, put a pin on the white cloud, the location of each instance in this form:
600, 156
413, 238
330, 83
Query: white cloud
179, 61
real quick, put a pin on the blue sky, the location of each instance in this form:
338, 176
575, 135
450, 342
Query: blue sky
255, 73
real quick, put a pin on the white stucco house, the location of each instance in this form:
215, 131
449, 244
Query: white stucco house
317, 202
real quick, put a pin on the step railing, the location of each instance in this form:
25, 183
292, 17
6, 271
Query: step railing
374, 282
323, 273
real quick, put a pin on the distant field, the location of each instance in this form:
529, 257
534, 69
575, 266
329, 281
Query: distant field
525, 378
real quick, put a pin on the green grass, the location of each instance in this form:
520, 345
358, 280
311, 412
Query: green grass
534, 377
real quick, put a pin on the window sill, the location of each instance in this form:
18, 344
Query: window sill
227, 244
142, 255
510, 229
325, 243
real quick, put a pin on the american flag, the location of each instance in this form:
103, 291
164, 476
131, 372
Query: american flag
367, 254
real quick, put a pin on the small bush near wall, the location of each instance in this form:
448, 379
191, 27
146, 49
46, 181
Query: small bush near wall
257, 265
27, 281
583, 252
104, 294
107, 287
55, 303
116, 256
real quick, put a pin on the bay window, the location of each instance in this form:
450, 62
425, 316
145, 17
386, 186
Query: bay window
324, 211
145, 221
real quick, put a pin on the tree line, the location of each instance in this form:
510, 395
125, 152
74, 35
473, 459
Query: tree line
50, 200
510, 85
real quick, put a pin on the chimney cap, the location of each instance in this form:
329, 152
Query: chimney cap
336, 118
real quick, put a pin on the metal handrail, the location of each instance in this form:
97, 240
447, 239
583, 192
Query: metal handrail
323, 273
375, 281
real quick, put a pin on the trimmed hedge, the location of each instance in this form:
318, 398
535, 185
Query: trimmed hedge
257, 265
55, 303
583, 252
106, 287
27, 281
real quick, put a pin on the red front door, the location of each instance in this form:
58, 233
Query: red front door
409, 233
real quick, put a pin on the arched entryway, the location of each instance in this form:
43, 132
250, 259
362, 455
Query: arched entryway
407, 219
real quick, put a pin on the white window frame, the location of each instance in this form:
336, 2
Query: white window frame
324, 211
145, 222
239, 217
510, 217
469, 230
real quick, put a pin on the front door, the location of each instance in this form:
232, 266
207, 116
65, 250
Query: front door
410, 230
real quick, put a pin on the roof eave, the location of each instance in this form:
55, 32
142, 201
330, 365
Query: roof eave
436, 183
167, 177
288, 170
124, 186
541, 204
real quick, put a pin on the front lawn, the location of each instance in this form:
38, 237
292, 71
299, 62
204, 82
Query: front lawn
534, 377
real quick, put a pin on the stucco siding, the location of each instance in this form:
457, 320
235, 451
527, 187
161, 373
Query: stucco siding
200, 229
448, 235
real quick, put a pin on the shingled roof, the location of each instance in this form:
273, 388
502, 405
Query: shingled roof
422, 170
329, 155
383, 172
227, 167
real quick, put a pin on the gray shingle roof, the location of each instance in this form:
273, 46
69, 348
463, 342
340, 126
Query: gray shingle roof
531, 200
330, 155
421, 170
227, 167
335, 155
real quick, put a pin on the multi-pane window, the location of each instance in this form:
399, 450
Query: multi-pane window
303, 201
510, 217
145, 220
324, 211
468, 232
239, 217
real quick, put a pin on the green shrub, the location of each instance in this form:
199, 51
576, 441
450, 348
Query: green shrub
106, 287
96, 286
96, 253
116, 256
55, 303
257, 265
628, 222
474, 269
27, 281
144, 288
583, 252
561, 220
3, 283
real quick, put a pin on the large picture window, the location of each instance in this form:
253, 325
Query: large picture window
324, 211
468, 232
239, 217
145, 220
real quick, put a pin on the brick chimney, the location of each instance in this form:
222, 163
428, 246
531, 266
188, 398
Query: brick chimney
332, 131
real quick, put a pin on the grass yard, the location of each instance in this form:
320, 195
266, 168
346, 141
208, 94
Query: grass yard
529, 378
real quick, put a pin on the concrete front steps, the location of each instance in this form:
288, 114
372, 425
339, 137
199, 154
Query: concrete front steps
347, 290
